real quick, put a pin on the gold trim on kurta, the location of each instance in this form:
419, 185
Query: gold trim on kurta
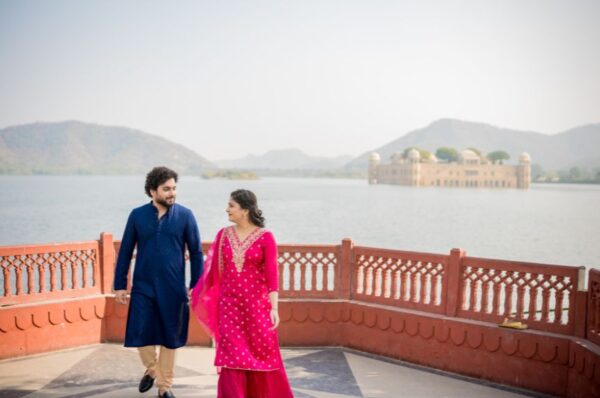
239, 248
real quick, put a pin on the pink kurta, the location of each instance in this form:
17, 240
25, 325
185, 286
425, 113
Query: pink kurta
231, 300
248, 274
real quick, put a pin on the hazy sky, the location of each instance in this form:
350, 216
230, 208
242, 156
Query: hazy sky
228, 78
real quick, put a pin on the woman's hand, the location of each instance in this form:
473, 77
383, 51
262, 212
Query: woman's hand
274, 314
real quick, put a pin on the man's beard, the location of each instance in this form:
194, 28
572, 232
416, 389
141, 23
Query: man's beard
163, 202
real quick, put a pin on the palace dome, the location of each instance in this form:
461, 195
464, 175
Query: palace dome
413, 154
524, 158
469, 154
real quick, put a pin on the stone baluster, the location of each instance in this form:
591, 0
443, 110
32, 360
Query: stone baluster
545, 305
292, 267
41, 278
437, 289
396, 283
423, 289
560, 295
63, 276
302, 276
84, 270
52, 269
30, 278
533, 295
414, 293
6, 275
485, 289
404, 293
497, 288
378, 289
473, 299
313, 276
387, 283
18, 280
360, 280
368, 278
520, 300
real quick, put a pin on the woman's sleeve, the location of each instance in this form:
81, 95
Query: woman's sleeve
271, 265
216, 255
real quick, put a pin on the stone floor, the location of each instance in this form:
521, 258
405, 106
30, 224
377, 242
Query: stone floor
109, 371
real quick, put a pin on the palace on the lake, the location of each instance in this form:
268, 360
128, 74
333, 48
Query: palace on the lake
469, 171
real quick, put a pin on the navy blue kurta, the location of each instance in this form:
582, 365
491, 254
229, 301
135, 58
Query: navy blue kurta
158, 309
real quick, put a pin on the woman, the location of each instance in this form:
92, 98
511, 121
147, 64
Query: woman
237, 302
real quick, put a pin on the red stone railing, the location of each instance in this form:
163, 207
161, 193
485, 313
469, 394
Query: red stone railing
309, 271
40, 273
406, 305
399, 278
593, 313
546, 297
543, 296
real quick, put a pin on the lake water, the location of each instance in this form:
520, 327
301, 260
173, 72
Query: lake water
556, 224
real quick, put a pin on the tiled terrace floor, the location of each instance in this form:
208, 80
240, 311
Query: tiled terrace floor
110, 371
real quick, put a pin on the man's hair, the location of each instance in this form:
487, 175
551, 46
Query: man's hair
158, 176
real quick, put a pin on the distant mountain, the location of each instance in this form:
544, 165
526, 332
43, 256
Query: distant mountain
285, 159
81, 148
579, 146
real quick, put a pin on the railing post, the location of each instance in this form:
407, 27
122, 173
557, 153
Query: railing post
344, 281
107, 262
581, 306
453, 288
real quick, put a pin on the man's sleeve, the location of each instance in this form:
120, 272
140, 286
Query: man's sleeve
125, 253
194, 246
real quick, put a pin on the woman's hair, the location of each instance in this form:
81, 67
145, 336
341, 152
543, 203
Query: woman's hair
247, 200
158, 176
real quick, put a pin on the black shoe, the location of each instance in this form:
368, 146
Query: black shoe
166, 394
146, 383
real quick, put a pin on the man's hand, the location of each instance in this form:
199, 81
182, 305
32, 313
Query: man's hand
121, 296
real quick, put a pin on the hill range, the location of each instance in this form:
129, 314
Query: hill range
74, 147
575, 147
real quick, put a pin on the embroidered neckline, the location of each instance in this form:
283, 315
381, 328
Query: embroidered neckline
239, 248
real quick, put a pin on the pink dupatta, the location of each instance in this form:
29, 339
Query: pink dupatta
205, 295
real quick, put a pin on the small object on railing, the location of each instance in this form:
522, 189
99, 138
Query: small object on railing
512, 324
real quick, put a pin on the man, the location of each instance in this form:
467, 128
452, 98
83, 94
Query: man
158, 311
